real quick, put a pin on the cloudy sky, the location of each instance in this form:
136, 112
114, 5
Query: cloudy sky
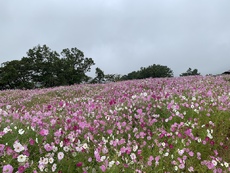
122, 35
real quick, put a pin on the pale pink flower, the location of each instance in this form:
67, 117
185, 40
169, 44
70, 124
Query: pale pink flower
18, 147
60, 155
133, 156
7, 169
191, 169
54, 167
191, 153
181, 166
180, 152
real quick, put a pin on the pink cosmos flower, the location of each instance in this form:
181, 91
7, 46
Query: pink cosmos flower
149, 163
210, 165
44, 132
109, 131
157, 158
31, 141
103, 168
7, 169
9, 151
151, 158
2, 146
209, 93
181, 152
191, 153
181, 166
48, 147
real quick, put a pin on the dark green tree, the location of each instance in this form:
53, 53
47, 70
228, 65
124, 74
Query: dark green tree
75, 65
43, 67
112, 77
100, 76
14, 76
154, 71
190, 72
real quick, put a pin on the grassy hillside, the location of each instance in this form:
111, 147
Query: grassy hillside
152, 125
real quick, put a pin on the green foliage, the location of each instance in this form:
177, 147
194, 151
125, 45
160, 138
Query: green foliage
190, 72
154, 71
45, 68
112, 77
100, 76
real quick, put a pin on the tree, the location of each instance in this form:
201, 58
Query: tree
13, 75
43, 65
190, 72
99, 75
112, 77
154, 71
44, 68
75, 65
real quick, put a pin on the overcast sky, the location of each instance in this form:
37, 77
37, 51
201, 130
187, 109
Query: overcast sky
122, 35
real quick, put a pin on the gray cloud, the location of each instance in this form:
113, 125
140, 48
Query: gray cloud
122, 35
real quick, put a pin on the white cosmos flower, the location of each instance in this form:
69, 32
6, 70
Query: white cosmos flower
21, 158
134, 96
61, 144
8, 106
66, 148
55, 148
111, 163
21, 131
7, 129
226, 164
209, 135
175, 168
74, 154
135, 147
103, 158
51, 160
45, 161
85, 146
214, 162
166, 154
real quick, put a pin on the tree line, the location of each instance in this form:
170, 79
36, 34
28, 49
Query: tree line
43, 68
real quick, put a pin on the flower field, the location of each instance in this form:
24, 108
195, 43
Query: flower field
152, 125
